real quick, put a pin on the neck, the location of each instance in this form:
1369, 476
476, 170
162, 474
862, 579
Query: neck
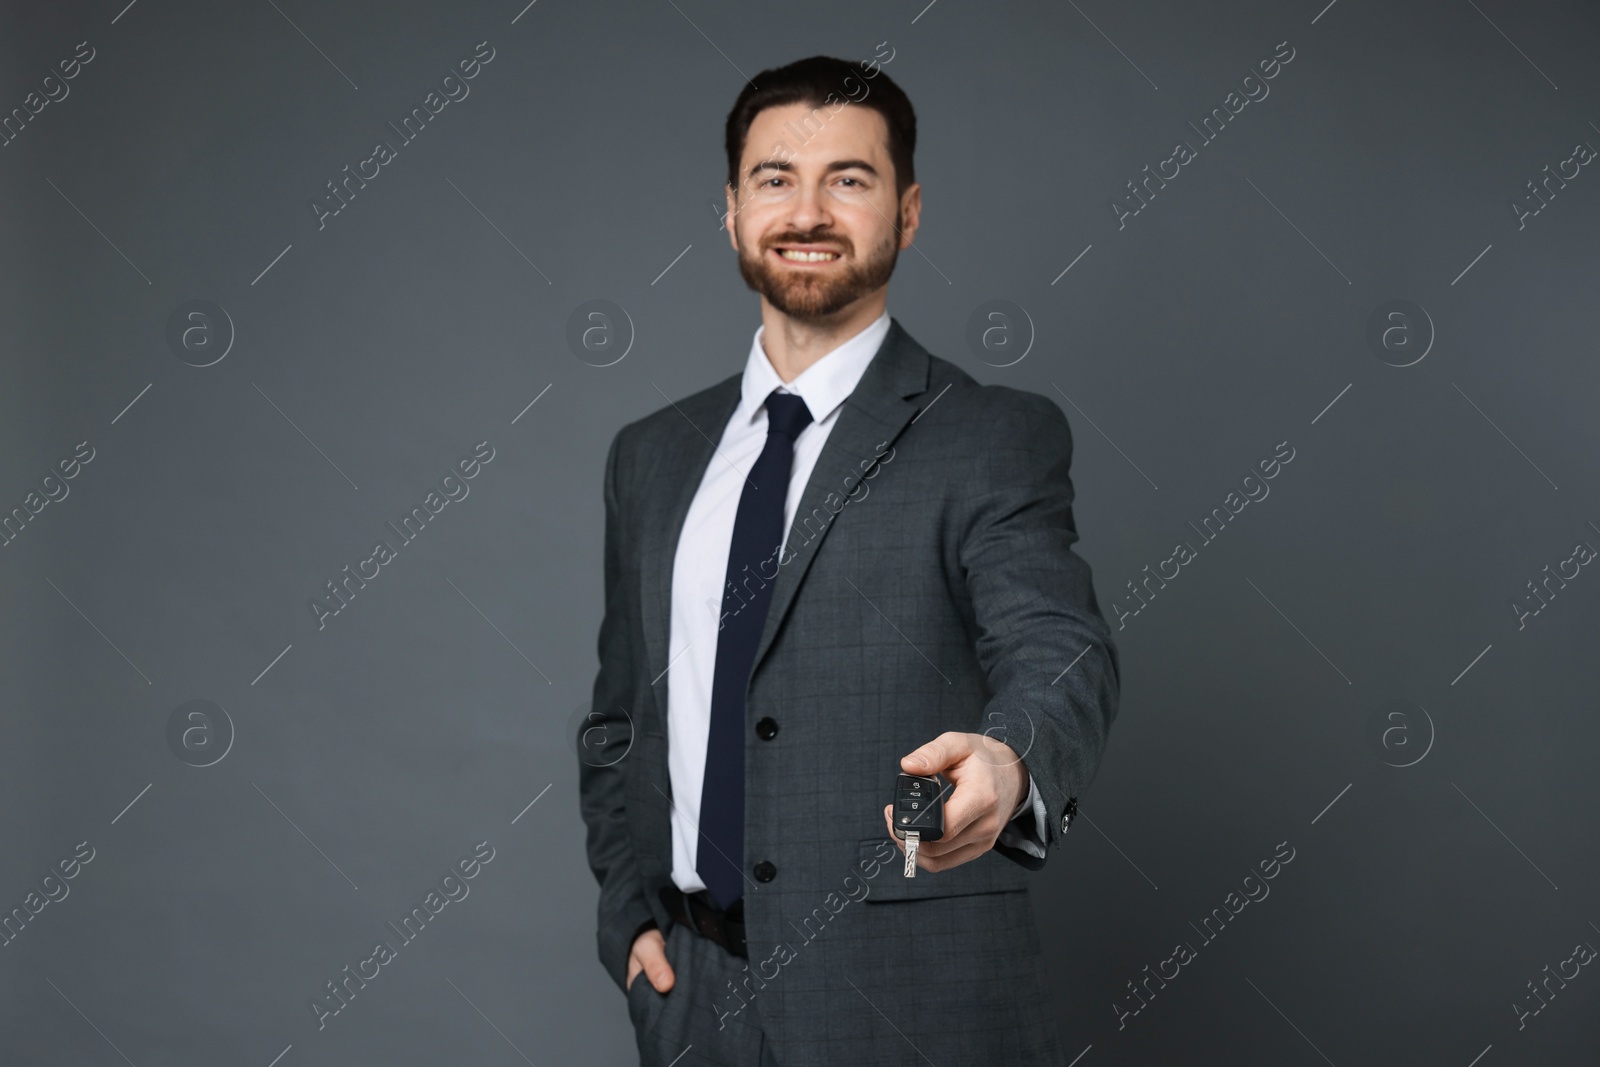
794, 344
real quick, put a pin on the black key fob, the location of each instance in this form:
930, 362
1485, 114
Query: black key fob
918, 808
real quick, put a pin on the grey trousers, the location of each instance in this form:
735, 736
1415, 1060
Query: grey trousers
680, 1027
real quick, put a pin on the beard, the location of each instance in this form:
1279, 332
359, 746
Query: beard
813, 295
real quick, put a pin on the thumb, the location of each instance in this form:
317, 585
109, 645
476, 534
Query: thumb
657, 968
937, 754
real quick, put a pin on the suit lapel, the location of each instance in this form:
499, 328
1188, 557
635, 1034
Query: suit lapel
875, 413
872, 416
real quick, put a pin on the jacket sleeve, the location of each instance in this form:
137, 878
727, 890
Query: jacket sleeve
605, 737
1046, 651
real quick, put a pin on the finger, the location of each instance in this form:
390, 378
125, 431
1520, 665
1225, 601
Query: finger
949, 851
652, 955
953, 859
633, 969
951, 843
968, 845
888, 824
962, 829
936, 755
973, 797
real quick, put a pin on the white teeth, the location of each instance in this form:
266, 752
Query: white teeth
808, 257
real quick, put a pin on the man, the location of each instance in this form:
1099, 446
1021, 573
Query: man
850, 560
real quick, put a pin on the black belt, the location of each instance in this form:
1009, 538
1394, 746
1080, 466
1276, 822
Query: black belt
699, 912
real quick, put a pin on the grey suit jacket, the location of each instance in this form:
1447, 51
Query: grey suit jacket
928, 584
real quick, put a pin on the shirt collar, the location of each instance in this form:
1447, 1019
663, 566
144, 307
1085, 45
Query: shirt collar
824, 385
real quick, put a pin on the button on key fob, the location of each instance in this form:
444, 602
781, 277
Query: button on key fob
918, 815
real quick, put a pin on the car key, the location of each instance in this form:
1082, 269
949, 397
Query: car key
918, 815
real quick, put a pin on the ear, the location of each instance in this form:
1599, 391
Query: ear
728, 219
910, 214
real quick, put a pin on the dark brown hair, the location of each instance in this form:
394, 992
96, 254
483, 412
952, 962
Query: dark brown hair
825, 81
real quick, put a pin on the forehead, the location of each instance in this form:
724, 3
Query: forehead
816, 133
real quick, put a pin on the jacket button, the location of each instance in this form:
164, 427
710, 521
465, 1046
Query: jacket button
1068, 815
765, 872
767, 728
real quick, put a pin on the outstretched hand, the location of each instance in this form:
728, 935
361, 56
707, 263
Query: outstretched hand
990, 781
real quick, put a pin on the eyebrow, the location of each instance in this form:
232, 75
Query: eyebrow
836, 165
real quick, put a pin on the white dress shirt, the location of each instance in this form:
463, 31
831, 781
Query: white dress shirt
699, 571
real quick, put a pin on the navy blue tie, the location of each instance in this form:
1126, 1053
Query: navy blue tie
752, 569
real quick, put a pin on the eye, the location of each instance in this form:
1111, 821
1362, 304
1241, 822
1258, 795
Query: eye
854, 181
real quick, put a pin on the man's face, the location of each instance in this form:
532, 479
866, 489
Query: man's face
816, 222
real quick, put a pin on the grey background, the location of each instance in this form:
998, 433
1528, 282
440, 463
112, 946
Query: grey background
426, 717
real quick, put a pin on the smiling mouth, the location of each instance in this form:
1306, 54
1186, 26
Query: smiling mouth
793, 255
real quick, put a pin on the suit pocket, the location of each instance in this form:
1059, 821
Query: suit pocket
882, 864
635, 997
642, 999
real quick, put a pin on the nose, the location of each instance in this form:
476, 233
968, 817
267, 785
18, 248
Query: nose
809, 210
